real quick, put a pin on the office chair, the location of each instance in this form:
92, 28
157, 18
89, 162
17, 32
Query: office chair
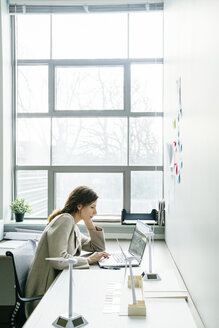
22, 258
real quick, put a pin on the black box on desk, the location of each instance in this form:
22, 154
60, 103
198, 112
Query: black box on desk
131, 218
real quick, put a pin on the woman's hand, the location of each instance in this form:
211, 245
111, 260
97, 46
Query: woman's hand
89, 224
95, 257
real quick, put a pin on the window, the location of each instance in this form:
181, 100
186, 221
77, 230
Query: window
88, 103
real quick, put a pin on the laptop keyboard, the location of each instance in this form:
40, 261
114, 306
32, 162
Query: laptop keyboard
118, 257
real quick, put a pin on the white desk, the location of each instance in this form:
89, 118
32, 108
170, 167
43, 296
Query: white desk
90, 289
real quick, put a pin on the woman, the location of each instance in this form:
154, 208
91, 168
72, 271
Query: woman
61, 238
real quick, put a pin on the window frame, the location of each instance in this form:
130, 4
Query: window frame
53, 113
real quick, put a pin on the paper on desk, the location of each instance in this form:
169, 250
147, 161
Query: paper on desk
11, 243
112, 298
163, 294
169, 312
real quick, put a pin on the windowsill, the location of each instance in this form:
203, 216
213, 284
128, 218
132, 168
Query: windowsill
112, 229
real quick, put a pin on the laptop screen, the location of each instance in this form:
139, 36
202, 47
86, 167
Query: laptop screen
138, 243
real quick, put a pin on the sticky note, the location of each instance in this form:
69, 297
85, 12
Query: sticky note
179, 178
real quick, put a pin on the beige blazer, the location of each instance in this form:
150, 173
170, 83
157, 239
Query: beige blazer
59, 239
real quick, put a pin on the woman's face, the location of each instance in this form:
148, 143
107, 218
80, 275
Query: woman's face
88, 211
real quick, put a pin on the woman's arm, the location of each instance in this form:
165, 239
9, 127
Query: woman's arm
58, 237
96, 242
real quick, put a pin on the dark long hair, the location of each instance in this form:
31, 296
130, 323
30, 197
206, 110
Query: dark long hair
81, 195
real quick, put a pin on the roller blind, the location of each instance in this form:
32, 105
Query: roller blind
31, 7
80, 2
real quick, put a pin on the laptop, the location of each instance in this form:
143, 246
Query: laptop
136, 249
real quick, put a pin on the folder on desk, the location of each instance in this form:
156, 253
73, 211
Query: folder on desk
22, 236
1, 229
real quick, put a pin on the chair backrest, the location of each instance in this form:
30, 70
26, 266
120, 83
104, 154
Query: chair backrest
22, 258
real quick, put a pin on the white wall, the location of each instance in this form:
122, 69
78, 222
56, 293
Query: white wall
192, 226
5, 113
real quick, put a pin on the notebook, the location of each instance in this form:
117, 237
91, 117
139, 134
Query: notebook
136, 249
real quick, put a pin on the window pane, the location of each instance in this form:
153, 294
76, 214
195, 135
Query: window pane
33, 186
89, 36
145, 141
89, 141
86, 88
146, 35
33, 141
33, 36
108, 186
32, 89
146, 190
147, 88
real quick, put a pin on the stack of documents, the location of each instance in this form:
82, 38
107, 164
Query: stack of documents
161, 213
8, 244
1, 229
18, 235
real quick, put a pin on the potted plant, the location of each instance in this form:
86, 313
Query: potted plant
19, 208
